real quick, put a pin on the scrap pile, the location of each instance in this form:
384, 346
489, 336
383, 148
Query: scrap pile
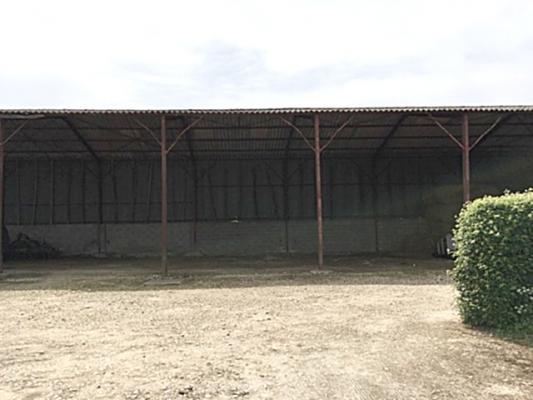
5, 238
445, 247
25, 247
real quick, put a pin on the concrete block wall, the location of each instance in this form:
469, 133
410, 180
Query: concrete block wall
245, 237
73, 239
404, 235
144, 239
341, 236
407, 207
347, 236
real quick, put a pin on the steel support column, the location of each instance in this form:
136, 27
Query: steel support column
466, 159
195, 209
374, 185
100, 177
1, 196
318, 186
164, 204
286, 203
466, 147
286, 199
194, 225
317, 150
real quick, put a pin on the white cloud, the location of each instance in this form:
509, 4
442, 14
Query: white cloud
274, 53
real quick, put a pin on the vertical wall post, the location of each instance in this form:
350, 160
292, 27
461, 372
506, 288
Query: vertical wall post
17, 183
195, 209
1, 196
194, 225
466, 159
100, 177
52, 193
318, 187
164, 204
286, 203
374, 186
286, 188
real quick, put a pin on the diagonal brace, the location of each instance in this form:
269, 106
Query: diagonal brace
17, 130
80, 137
332, 137
446, 131
389, 135
183, 132
484, 134
151, 132
307, 142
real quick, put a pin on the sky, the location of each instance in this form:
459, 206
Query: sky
247, 54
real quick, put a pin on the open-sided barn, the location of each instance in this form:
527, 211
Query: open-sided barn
254, 181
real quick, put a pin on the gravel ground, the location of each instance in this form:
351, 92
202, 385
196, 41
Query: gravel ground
274, 329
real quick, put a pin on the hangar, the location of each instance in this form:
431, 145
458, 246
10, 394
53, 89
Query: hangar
254, 181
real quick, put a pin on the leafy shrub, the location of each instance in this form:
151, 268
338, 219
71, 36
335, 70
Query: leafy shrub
494, 260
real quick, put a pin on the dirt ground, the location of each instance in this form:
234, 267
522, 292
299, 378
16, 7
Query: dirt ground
249, 329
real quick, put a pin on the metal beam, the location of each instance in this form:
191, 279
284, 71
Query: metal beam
194, 226
446, 131
390, 134
286, 178
5, 117
256, 155
100, 178
28, 139
337, 131
307, 142
120, 130
164, 203
466, 159
80, 137
147, 129
128, 142
17, 130
318, 187
1, 195
491, 130
183, 132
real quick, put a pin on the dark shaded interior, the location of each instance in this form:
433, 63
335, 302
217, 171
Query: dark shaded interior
243, 181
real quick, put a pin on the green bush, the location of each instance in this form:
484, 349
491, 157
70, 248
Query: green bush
494, 260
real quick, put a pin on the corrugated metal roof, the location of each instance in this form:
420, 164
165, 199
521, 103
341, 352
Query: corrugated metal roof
254, 133
304, 110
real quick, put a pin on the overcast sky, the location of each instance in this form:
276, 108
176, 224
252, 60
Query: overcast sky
270, 53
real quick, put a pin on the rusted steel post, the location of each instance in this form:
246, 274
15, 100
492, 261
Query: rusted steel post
194, 225
164, 211
195, 209
100, 177
286, 188
52, 193
466, 159
374, 186
318, 186
1, 196
286, 203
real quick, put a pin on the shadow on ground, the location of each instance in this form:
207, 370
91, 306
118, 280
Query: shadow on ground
93, 274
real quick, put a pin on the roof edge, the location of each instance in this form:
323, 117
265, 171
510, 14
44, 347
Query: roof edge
267, 111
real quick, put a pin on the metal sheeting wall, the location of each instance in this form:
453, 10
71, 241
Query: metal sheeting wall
66, 191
